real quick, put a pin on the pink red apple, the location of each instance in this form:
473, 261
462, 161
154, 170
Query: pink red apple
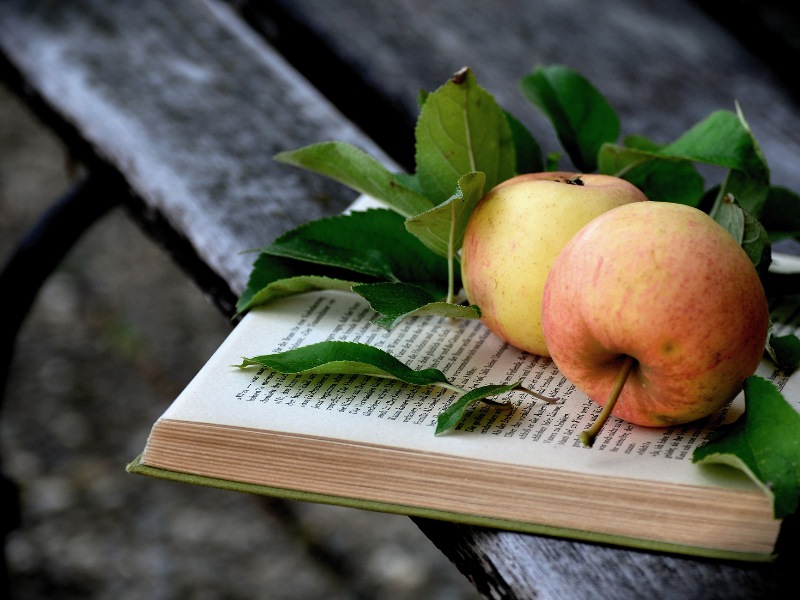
513, 237
666, 289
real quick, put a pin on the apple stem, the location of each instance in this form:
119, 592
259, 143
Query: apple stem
587, 437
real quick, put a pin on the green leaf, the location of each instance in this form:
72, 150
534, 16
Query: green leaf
785, 351
410, 181
451, 416
731, 216
274, 277
396, 301
724, 139
442, 228
764, 443
353, 358
661, 178
358, 170
349, 358
552, 161
526, 148
720, 139
781, 214
582, 118
374, 242
461, 129
756, 243
746, 230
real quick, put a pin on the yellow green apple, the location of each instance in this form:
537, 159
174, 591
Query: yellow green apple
513, 237
660, 300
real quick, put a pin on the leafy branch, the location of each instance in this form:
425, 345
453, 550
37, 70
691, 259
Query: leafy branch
403, 258
466, 144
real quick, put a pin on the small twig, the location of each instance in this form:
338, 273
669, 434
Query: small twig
537, 395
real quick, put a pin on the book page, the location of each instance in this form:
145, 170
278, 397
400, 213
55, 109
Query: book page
383, 411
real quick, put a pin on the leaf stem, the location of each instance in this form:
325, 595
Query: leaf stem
451, 255
451, 387
587, 437
537, 395
720, 197
623, 171
518, 388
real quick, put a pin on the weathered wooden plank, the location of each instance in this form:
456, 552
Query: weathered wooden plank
662, 65
509, 565
189, 106
770, 29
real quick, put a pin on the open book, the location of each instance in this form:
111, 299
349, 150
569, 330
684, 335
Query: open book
369, 442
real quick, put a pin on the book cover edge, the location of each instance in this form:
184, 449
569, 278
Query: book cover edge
136, 467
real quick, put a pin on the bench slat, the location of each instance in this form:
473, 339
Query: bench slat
189, 105
662, 65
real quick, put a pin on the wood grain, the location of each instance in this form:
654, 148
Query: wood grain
662, 66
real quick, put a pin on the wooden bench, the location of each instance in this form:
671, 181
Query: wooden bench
176, 109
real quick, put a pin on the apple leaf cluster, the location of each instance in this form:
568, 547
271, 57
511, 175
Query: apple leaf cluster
466, 143
402, 257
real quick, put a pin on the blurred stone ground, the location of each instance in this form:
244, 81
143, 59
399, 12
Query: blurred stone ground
114, 335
